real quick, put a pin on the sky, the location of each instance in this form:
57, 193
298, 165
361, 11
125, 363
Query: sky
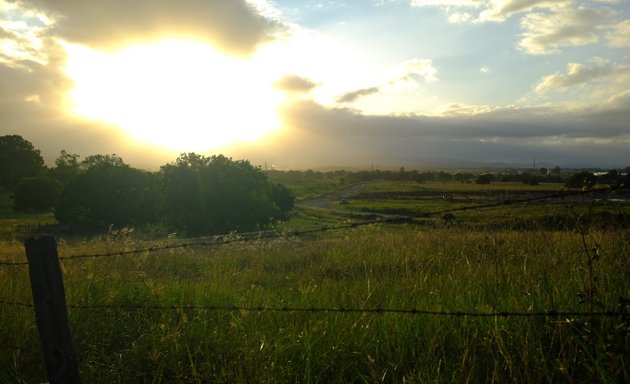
309, 84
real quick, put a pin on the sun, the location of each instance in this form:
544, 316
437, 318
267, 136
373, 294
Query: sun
179, 95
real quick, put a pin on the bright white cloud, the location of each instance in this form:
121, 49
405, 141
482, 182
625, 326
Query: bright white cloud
404, 77
407, 75
460, 17
598, 71
500, 10
547, 33
620, 35
447, 3
488, 10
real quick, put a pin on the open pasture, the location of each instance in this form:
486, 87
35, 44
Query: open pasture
457, 203
432, 301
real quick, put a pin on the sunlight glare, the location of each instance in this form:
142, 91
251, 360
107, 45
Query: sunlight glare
180, 95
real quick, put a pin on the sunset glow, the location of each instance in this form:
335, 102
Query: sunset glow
305, 83
180, 95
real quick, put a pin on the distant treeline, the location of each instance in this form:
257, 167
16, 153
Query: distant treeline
198, 195
572, 179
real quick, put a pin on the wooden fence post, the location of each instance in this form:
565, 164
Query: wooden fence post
50, 310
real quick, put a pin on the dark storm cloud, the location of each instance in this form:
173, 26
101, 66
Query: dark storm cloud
232, 25
334, 136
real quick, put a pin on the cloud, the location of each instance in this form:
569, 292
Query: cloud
422, 69
447, 3
547, 33
495, 10
597, 70
403, 77
293, 83
619, 37
597, 136
4, 34
354, 95
500, 10
597, 80
234, 25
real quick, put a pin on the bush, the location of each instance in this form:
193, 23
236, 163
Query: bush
37, 193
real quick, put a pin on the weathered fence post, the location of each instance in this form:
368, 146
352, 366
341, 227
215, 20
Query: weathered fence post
50, 310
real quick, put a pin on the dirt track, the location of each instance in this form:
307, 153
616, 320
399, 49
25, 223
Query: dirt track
328, 201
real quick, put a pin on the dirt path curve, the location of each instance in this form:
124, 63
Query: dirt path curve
328, 201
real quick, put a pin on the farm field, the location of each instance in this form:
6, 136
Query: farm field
468, 298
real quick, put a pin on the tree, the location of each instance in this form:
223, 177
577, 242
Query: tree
283, 199
67, 167
213, 195
18, 159
581, 179
38, 193
109, 192
485, 178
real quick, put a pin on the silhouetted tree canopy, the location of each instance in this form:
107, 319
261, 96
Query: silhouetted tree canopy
95, 161
109, 192
283, 199
485, 178
67, 167
38, 193
213, 195
18, 159
581, 179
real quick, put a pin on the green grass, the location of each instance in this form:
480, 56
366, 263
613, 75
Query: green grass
308, 187
482, 262
442, 269
438, 199
15, 224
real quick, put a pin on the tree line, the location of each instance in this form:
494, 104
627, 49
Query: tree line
194, 195
198, 195
570, 178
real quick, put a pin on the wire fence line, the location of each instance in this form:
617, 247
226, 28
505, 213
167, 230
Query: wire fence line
268, 235
377, 310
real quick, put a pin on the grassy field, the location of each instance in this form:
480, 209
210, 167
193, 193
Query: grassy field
14, 224
444, 267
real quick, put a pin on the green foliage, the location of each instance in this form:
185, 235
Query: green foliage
442, 269
581, 179
211, 195
67, 168
109, 192
18, 159
485, 178
96, 161
37, 194
283, 199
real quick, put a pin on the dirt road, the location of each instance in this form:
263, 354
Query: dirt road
328, 201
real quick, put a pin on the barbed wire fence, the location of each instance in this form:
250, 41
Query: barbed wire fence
269, 235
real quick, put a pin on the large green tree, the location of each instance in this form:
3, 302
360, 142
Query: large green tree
109, 191
18, 159
214, 195
38, 193
67, 167
283, 199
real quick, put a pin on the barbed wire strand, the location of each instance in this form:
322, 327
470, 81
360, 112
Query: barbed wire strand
377, 310
252, 236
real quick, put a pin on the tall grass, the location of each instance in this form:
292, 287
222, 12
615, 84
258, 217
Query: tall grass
441, 269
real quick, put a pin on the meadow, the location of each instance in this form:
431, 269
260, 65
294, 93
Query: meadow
474, 299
